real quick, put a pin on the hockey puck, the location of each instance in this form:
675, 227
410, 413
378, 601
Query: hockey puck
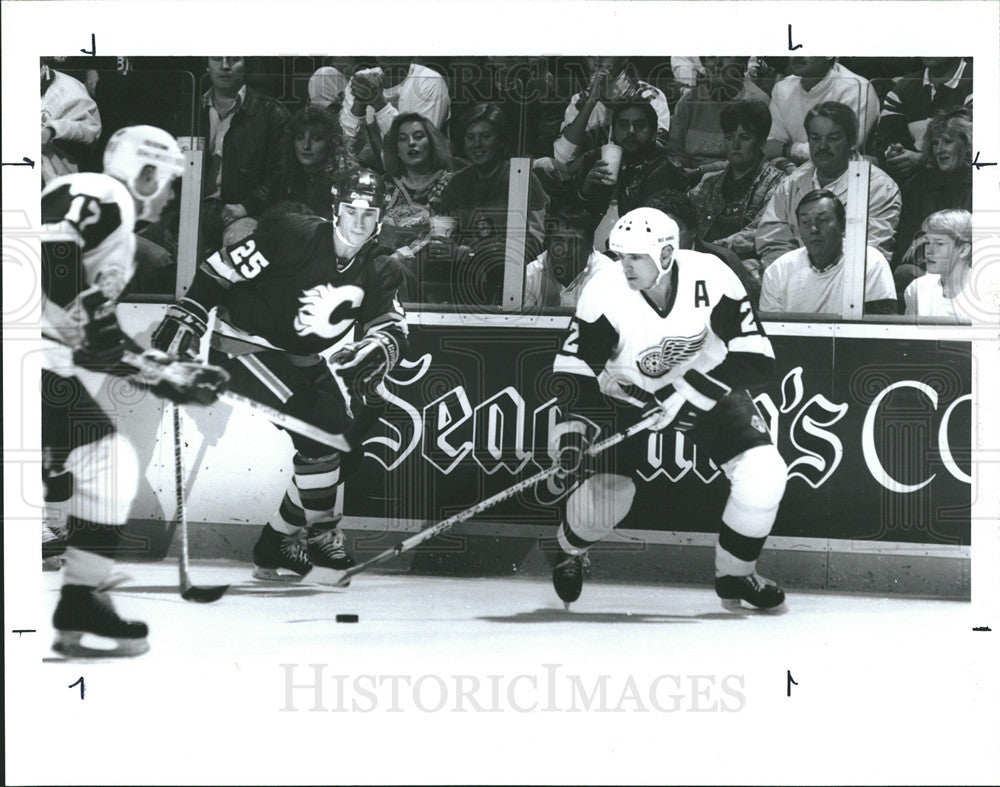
347, 618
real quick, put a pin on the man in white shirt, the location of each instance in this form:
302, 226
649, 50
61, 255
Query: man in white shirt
556, 277
377, 95
832, 129
811, 279
814, 80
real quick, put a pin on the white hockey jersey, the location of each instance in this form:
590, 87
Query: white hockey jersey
87, 242
706, 342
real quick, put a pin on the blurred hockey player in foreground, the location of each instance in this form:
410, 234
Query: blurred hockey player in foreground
88, 250
669, 331
292, 296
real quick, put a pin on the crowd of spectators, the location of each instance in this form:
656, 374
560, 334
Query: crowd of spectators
750, 156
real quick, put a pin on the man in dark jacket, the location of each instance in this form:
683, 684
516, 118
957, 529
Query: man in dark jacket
243, 129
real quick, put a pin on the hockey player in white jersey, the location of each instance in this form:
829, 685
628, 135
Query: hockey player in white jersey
672, 332
88, 251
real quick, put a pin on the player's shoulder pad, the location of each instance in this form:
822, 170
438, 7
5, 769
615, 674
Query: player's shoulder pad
601, 291
715, 272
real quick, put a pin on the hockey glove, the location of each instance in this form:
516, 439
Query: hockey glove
674, 410
568, 444
180, 332
104, 343
182, 382
363, 366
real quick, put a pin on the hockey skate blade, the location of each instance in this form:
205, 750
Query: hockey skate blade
328, 577
204, 595
70, 644
740, 606
272, 575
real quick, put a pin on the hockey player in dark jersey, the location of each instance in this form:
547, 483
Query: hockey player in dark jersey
308, 321
670, 332
91, 470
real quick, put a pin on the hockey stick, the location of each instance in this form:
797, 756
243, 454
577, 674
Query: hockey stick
276, 417
341, 578
189, 592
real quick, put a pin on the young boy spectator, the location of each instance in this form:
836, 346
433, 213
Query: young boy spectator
832, 130
814, 81
811, 279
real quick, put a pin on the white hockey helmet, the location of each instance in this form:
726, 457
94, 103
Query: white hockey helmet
646, 231
134, 148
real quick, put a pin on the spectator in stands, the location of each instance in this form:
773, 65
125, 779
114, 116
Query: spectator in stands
374, 96
684, 211
645, 170
944, 84
832, 130
945, 290
814, 81
418, 165
810, 280
70, 123
945, 178
731, 203
556, 277
326, 89
478, 197
696, 142
587, 119
244, 139
312, 156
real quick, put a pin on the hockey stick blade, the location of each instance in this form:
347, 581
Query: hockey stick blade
342, 578
189, 592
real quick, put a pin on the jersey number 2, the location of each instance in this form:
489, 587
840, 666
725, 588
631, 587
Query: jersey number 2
749, 324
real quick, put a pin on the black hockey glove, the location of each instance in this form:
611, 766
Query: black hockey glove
104, 342
675, 411
568, 445
182, 382
363, 366
180, 332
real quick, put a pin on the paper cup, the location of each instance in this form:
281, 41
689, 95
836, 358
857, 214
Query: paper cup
611, 154
443, 226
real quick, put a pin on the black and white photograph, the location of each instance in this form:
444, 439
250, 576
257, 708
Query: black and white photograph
501, 392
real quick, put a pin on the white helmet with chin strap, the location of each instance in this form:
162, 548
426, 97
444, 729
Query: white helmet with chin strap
646, 231
134, 148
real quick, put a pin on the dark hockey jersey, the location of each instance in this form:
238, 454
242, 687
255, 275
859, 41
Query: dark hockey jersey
706, 342
283, 284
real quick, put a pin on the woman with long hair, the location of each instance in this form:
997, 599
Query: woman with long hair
418, 165
313, 155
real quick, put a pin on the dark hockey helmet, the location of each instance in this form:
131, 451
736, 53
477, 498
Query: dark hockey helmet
362, 188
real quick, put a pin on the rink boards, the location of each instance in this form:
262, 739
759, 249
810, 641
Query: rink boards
874, 423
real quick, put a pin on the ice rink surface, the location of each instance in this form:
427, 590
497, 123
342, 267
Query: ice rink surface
492, 681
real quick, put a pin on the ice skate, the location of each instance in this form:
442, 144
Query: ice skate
567, 575
328, 556
752, 590
83, 611
274, 551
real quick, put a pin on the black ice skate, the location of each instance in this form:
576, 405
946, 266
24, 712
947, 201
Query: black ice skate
756, 591
82, 611
567, 577
274, 551
328, 556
